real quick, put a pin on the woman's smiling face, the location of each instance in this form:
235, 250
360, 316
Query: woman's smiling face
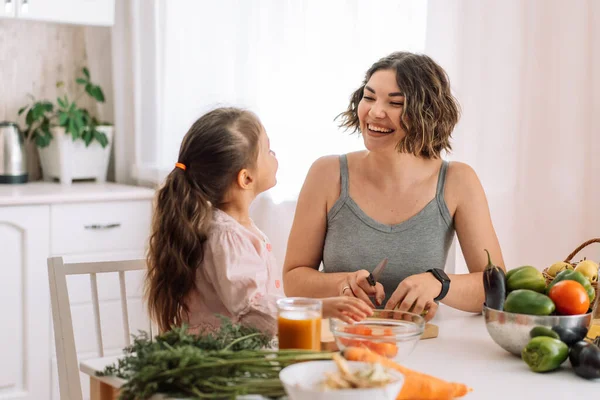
380, 110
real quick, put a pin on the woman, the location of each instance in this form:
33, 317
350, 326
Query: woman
397, 199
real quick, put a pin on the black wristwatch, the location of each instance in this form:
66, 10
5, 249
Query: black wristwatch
441, 276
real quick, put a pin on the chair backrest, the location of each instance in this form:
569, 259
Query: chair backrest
66, 353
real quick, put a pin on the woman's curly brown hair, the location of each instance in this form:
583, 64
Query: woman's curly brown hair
430, 110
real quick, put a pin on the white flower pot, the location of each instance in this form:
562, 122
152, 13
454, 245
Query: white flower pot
68, 160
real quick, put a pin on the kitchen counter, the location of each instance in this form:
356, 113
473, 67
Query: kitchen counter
55, 193
464, 352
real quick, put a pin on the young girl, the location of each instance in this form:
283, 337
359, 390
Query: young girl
206, 256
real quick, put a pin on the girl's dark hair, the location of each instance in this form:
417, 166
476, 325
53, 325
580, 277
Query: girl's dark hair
430, 110
214, 150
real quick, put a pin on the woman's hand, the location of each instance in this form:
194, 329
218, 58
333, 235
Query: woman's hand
357, 286
416, 294
347, 309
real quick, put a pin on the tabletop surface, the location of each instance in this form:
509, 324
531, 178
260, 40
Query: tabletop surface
464, 352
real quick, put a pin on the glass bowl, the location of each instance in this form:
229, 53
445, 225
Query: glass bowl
390, 333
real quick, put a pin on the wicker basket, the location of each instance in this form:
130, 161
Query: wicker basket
569, 260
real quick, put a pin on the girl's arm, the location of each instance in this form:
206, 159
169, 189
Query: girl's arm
307, 237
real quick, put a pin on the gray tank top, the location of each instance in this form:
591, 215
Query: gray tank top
355, 241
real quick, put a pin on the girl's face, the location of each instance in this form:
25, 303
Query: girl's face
266, 165
380, 110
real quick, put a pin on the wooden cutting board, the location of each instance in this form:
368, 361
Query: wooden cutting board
328, 341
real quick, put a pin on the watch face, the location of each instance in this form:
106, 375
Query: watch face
442, 274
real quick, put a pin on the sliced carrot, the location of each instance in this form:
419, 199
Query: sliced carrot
358, 330
383, 349
416, 384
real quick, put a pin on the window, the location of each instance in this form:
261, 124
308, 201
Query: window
294, 63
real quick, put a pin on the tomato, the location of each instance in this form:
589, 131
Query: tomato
570, 298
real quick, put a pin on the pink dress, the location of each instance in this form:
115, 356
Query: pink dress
238, 278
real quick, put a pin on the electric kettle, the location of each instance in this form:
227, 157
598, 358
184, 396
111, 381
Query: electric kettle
13, 159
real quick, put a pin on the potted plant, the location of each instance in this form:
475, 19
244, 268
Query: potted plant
72, 144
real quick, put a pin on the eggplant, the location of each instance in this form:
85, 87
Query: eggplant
585, 359
570, 336
494, 284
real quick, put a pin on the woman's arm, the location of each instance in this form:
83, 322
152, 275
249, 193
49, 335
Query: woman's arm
475, 231
307, 238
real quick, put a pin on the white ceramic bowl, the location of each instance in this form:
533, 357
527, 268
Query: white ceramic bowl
301, 382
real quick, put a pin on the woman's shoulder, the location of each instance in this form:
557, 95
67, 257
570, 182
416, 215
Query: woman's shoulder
461, 181
460, 173
327, 168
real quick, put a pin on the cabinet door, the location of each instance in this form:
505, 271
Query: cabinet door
82, 12
24, 297
8, 8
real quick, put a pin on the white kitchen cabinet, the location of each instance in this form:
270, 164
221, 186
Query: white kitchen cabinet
8, 8
81, 12
24, 350
41, 219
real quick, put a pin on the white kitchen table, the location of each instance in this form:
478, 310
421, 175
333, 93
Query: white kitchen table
463, 352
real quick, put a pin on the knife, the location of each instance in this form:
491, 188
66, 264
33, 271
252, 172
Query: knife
374, 276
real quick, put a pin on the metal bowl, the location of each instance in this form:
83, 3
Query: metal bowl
512, 331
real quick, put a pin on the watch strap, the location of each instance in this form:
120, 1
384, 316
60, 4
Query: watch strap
441, 276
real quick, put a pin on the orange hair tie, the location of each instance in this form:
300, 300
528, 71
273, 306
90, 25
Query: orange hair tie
180, 165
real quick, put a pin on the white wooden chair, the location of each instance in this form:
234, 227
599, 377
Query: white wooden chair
66, 352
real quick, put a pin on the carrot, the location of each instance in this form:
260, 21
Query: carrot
388, 349
416, 384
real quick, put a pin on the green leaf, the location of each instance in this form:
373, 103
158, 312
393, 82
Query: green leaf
41, 141
42, 136
73, 129
88, 88
61, 102
81, 81
72, 107
29, 118
38, 111
45, 127
79, 122
63, 118
86, 72
22, 109
87, 137
98, 94
101, 137
47, 106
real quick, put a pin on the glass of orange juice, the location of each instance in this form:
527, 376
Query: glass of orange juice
299, 323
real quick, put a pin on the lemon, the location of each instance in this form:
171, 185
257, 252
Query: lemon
558, 267
589, 269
